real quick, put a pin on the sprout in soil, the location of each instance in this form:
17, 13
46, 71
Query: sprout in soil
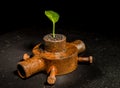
54, 17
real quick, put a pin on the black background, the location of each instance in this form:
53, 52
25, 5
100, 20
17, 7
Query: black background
23, 25
93, 16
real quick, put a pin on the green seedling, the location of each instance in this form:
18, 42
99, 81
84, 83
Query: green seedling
54, 17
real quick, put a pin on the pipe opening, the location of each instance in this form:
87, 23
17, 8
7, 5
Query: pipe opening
21, 71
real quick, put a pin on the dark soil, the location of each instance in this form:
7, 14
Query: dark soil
57, 37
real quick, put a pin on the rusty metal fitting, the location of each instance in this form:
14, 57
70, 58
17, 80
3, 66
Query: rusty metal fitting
80, 45
58, 57
86, 59
30, 66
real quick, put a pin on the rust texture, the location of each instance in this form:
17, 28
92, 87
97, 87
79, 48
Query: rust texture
57, 57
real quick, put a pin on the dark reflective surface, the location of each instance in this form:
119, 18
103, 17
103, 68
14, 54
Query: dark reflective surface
103, 73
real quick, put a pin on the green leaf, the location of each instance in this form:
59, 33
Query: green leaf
53, 16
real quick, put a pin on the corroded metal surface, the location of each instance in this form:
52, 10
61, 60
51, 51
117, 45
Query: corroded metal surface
55, 57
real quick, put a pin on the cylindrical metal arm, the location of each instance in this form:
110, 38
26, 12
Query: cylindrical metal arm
80, 45
51, 78
85, 59
30, 66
